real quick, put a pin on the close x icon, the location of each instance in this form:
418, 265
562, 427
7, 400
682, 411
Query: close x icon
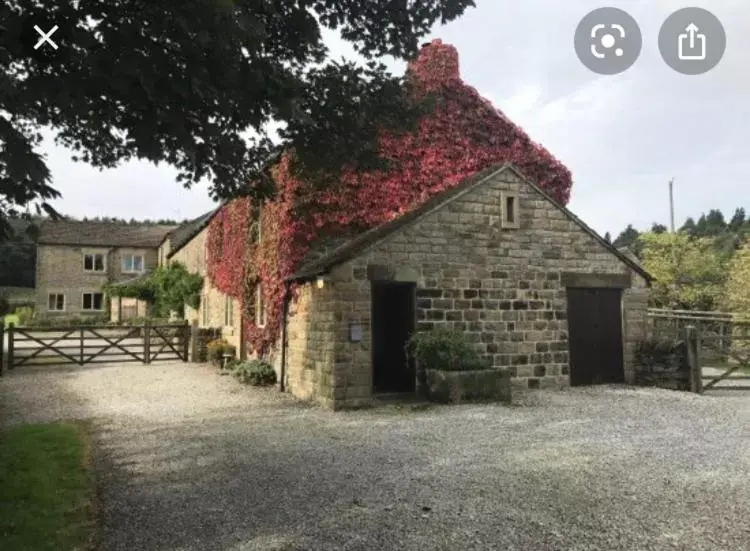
45, 37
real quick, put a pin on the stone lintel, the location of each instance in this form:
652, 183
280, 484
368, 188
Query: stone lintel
610, 281
379, 272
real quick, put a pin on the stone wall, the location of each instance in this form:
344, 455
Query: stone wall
214, 304
311, 347
502, 287
667, 367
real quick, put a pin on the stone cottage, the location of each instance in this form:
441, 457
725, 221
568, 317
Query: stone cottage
75, 259
535, 289
187, 245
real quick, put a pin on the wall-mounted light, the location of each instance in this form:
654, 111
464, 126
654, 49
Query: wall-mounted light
321, 281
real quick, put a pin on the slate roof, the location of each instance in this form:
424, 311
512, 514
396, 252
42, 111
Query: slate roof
181, 236
316, 263
102, 234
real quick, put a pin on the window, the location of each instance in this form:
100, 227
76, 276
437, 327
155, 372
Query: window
260, 307
93, 262
56, 302
204, 306
132, 263
510, 211
229, 312
93, 301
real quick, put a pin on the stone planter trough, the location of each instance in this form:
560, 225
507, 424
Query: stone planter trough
486, 385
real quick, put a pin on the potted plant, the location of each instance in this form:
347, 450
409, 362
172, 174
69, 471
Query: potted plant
453, 370
219, 351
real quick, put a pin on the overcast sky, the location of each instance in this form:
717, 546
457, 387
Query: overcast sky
622, 136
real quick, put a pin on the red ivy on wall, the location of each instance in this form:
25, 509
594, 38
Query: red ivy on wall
226, 247
461, 136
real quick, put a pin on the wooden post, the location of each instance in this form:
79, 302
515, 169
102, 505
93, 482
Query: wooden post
194, 341
186, 334
82, 341
693, 359
11, 360
147, 342
2, 345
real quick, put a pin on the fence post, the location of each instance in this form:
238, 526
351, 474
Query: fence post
2, 345
696, 374
82, 342
147, 342
11, 360
186, 334
194, 341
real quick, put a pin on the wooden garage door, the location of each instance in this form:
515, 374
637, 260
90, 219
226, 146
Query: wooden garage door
595, 334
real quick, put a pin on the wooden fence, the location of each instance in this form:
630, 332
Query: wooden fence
718, 345
92, 344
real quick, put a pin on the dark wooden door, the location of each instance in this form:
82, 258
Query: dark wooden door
595, 336
393, 322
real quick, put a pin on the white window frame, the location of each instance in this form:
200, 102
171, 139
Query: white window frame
132, 257
261, 314
93, 262
228, 312
64, 304
506, 221
92, 309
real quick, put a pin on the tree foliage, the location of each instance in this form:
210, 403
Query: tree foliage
167, 289
689, 273
703, 266
18, 254
186, 83
737, 295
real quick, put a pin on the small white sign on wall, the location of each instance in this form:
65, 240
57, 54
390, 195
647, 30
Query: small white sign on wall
355, 332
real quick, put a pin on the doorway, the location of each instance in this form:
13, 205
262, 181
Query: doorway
393, 322
595, 336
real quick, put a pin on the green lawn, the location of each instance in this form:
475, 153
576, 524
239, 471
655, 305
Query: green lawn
46, 488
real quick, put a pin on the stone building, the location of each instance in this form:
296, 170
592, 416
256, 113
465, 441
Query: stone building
76, 259
531, 285
187, 245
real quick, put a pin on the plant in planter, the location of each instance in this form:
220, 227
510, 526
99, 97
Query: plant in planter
217, 350
454, 371
255, 372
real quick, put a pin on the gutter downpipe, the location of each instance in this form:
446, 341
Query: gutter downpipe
284, 316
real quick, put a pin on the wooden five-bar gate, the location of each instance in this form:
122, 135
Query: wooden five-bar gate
92, 344
718, 345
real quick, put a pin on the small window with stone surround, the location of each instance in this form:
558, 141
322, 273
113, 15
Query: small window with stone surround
511, 218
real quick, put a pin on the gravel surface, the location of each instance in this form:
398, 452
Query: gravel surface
190, 460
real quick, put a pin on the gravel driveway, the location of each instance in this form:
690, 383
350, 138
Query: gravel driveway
189, 460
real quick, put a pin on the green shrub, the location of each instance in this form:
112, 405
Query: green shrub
25, 315
217, 349
445, 350
255, 372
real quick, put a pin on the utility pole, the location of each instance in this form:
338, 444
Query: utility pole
671, 205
